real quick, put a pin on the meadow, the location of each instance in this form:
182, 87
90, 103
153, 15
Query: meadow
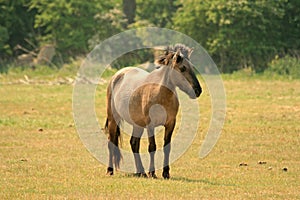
256, 157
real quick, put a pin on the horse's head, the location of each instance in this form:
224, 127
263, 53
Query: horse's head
182, 73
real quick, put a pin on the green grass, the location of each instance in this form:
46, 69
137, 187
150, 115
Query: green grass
42, 156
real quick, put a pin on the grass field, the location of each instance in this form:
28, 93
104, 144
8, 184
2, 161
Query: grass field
42, 156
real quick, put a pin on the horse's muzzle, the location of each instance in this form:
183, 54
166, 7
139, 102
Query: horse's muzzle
198, 91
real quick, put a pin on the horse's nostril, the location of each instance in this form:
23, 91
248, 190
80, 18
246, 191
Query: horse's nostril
198, 91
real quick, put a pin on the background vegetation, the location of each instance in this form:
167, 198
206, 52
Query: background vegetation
237, 34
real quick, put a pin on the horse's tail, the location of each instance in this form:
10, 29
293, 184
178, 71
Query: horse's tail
112, 128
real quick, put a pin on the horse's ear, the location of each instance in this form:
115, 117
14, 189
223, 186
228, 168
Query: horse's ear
162, 60
190, 52
177, 57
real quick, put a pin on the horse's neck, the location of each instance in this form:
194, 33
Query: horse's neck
161, 77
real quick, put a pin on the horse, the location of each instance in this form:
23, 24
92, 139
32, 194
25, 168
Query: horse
147, 100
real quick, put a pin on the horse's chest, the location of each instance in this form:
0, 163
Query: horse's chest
152, 110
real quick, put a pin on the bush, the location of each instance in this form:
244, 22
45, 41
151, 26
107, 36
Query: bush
133, 58
287, 66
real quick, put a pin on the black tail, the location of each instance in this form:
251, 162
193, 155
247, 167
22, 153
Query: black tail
117, 156
106, 126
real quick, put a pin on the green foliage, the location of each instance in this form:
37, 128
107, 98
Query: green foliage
287, 66
16, 22
3, 39
238, 34
107, 24
290, 26
132, 58
158, 13
68, 24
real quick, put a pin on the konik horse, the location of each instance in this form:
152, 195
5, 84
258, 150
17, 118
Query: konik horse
147, 100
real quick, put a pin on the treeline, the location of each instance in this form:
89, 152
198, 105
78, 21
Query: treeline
236, 33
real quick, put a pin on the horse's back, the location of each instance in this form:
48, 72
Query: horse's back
128, 79
130, 75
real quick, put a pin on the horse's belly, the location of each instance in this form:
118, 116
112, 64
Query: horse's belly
134, 114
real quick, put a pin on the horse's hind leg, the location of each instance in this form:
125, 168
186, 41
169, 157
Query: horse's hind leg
110, 169
151, 150
113, 149
135, 147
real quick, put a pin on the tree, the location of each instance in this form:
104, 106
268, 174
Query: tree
129, 7
158, 13
16, 27
290, 27
69, 24
237, 34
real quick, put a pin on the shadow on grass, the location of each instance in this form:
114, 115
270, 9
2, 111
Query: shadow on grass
188, 180
182, 179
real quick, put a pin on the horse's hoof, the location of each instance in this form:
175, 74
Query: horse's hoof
110, 171
152, 175
143, 175
166, 175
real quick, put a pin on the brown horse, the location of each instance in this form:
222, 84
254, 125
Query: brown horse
147, 100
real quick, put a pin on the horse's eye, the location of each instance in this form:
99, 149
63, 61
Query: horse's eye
182, 69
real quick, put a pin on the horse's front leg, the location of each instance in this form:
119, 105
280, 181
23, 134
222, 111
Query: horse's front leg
135, 147
151, 150
167, 148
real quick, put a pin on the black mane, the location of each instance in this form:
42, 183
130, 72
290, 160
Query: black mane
182, 48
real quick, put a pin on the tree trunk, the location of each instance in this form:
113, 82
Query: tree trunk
129, 7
